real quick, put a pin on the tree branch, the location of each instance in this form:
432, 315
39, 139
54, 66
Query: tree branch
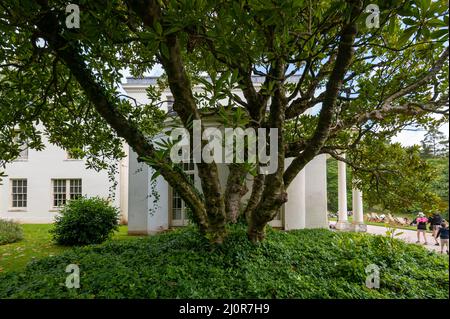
343, 60
106, 106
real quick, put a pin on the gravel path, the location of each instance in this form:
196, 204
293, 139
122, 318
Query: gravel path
407, 235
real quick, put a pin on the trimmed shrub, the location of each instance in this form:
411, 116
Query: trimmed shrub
85, 221
10, 232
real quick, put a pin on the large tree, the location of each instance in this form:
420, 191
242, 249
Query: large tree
434, 143
365, 83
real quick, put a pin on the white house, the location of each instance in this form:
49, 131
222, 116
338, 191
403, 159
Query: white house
39, 183
307, 194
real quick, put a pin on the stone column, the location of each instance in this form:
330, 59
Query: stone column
295, 209
316, 193
138, 189
123, 185
342, 223
358, 213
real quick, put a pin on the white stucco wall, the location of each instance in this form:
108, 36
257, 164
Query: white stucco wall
39, 170
123, 185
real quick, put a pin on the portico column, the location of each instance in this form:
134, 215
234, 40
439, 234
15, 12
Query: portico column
342, 223
295, 207
358, 213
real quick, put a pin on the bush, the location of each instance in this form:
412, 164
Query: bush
10, 232
313, 263
85, 221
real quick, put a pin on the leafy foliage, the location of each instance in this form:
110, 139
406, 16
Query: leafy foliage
183, 264
405, 184
10, 232
85, 221
330, 84
402, 182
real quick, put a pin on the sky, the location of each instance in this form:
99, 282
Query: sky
404, 137
409, 138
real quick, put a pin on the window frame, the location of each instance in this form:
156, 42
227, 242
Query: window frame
68, 158
24, 153
189, 169
278, 221
11, 195
68, 187
78, 186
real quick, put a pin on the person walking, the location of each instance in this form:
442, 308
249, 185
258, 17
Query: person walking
435, 223
443, 233
421, 222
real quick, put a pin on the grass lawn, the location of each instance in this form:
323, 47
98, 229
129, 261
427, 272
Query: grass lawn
37, 243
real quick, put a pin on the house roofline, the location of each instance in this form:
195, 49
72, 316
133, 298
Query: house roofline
152, 80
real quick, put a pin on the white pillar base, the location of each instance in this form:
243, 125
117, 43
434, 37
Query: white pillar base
359, 227
343, 225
